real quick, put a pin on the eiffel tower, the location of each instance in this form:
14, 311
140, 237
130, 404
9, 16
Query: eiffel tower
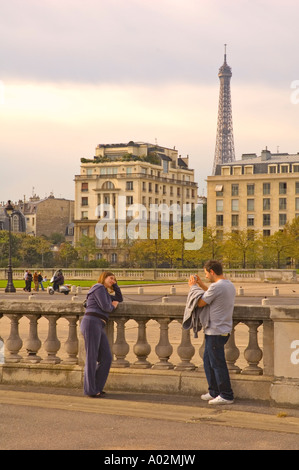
225, 150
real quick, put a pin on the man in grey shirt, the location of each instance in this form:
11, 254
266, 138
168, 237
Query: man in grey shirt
220, 296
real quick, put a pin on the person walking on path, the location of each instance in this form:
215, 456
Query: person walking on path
28, 282
40, 280
220, 296
98, 355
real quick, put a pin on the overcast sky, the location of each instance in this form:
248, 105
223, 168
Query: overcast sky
78, 73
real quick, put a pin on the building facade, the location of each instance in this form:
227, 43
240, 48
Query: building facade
136, 173
48, 216
258, 193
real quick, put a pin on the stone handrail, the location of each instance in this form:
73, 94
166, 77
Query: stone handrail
237, 275
163, 314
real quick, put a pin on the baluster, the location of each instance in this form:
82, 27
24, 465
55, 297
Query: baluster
201, 352
52, 343
33, 343
232, 353
164, 348
185, 351
72, 343
253, 353
142, 348
120, 347
14, 342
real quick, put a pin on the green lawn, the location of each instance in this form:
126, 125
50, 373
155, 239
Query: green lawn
83, 283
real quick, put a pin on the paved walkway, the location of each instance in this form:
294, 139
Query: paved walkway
41, 418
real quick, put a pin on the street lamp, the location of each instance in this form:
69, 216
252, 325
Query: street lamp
10, 287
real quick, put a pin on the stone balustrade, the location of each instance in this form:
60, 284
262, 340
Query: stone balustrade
163, 314
244, 275
265, 367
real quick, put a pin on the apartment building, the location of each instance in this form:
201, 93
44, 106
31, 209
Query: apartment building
257, 192
137, 173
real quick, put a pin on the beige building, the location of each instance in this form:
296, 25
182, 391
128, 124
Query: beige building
48, 216
137, 173
258, 193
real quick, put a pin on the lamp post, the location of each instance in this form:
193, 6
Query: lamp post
10, 287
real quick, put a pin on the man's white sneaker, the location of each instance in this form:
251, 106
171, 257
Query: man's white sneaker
206, 397
220, 401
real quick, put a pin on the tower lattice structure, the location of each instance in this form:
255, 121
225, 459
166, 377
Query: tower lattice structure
225, 150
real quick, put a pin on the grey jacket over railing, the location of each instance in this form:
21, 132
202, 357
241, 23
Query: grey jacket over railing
195, 317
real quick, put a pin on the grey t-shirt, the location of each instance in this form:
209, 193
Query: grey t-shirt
220, 297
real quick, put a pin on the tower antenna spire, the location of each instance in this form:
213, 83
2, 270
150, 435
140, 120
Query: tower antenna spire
225, 150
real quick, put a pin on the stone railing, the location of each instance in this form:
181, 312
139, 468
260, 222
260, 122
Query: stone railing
250, 275
163, 314
270, 359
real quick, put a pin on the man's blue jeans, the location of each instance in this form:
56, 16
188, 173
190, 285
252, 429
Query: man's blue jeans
216, 368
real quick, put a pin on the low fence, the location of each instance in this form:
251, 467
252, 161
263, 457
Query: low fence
249, 275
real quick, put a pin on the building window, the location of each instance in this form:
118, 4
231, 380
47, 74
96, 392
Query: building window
149, 187
219, 205
235, 190
250, 204
165, 166
143, 186
129, 170
266, 188
84, 201
282, 188
129, 185
282, 203
235, 204
219, 220
84, 215
250, 220
284, 168
266, 233
129, 200
219, 190
114, 258
282, 219
272, 168
297, 187
108, 185
250, 189
237, 170
266, 220
235, 220
84, 187
297, 203
295, 168
266, 204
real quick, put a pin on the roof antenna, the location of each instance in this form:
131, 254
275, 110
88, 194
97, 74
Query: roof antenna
225, 53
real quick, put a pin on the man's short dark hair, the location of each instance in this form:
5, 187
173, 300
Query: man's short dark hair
215, 265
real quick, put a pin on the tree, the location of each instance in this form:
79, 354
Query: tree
67, 254
241, 245
278, 246
86, 247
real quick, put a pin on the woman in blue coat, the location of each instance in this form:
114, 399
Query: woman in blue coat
99, 303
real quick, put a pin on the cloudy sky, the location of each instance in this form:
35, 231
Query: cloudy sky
78, 73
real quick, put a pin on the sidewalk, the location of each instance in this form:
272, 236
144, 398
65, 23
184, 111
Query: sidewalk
51, 418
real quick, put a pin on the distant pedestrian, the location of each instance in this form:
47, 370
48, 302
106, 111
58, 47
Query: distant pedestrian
28, 282
98, 355
35, 280
25, 278
40, 280
220, 296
